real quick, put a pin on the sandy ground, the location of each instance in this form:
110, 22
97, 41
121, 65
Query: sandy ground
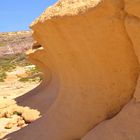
9, 90
13, 89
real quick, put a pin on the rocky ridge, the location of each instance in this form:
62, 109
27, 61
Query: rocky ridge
15, 42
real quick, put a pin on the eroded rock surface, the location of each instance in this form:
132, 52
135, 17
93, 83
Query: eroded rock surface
126, 125
133, 7
90, 61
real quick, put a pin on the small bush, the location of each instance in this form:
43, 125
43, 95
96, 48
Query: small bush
10, 62
2, 45
3, 76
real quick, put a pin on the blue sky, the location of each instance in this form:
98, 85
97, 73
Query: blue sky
17, 15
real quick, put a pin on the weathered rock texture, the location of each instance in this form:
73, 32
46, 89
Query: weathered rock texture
126, 125
90, 60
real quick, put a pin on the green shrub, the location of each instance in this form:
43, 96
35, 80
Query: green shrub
10, 62
2, 44
29, 79
3, 76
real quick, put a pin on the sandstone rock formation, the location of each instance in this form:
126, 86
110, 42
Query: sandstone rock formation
126, 125
90, 61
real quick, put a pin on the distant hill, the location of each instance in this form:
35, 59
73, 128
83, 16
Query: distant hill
15, 42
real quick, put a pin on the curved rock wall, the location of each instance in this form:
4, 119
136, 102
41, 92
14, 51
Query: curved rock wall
90, 66
126, 125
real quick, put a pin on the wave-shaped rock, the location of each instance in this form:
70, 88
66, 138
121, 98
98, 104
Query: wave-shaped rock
90, 64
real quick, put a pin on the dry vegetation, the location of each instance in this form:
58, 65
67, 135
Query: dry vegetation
17, 76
